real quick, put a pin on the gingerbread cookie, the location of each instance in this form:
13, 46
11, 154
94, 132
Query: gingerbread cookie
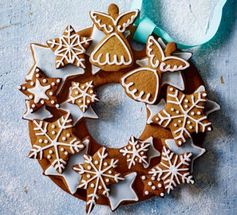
60, 97
82, 95
70, 48
173, 169
143, 84
184, 114
97, 173
113, 53
41, 91
55, 142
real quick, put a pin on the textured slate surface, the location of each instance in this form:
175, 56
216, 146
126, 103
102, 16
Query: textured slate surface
23, 190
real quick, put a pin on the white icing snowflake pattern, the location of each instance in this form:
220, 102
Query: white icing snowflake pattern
184, 114
136, 152
82, 95
70, 48
55, 142
97, 173
173, 169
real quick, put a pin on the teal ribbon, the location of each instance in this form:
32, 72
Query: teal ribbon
146, 27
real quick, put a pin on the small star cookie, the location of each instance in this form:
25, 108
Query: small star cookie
82, 95
55, 142
136, 152
184, 114
70, 48
97, 173
41, 90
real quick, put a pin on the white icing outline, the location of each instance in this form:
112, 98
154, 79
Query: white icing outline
108, 28
162, 66
39, 91
115, 60
70, 177
133, 92
123, 191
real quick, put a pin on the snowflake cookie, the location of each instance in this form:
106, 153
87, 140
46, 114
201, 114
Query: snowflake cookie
97, 173
70, 48
55, 142
136, 152
41, 91
173, 169
82, 95
184, 114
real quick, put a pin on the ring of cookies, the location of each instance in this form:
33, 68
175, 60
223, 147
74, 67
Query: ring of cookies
61, 92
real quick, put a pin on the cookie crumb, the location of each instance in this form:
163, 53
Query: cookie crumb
26, 189
222, 80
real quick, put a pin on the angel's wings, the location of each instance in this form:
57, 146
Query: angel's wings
126, 19
107, 24
158, 60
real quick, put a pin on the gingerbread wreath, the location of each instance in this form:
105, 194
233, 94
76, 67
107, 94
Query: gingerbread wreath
61, 90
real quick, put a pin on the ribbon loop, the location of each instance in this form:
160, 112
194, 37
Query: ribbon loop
144, 29
145, 26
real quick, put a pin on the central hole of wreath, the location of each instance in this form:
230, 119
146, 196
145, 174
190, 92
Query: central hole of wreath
120, 117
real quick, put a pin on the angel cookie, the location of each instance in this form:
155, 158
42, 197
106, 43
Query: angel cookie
143, 84
113, 53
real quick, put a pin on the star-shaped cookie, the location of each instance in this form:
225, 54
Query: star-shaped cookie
184, 114
41, 90
173, 169
55, 142
70, 48
97, 173
82, 95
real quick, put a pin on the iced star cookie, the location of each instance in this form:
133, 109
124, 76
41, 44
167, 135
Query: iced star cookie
97, 172
41, 90
70, 48
173, 169
184, 114
82, 95
55, 142
113, 53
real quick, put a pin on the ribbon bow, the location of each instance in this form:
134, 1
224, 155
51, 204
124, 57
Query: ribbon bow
145, 26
